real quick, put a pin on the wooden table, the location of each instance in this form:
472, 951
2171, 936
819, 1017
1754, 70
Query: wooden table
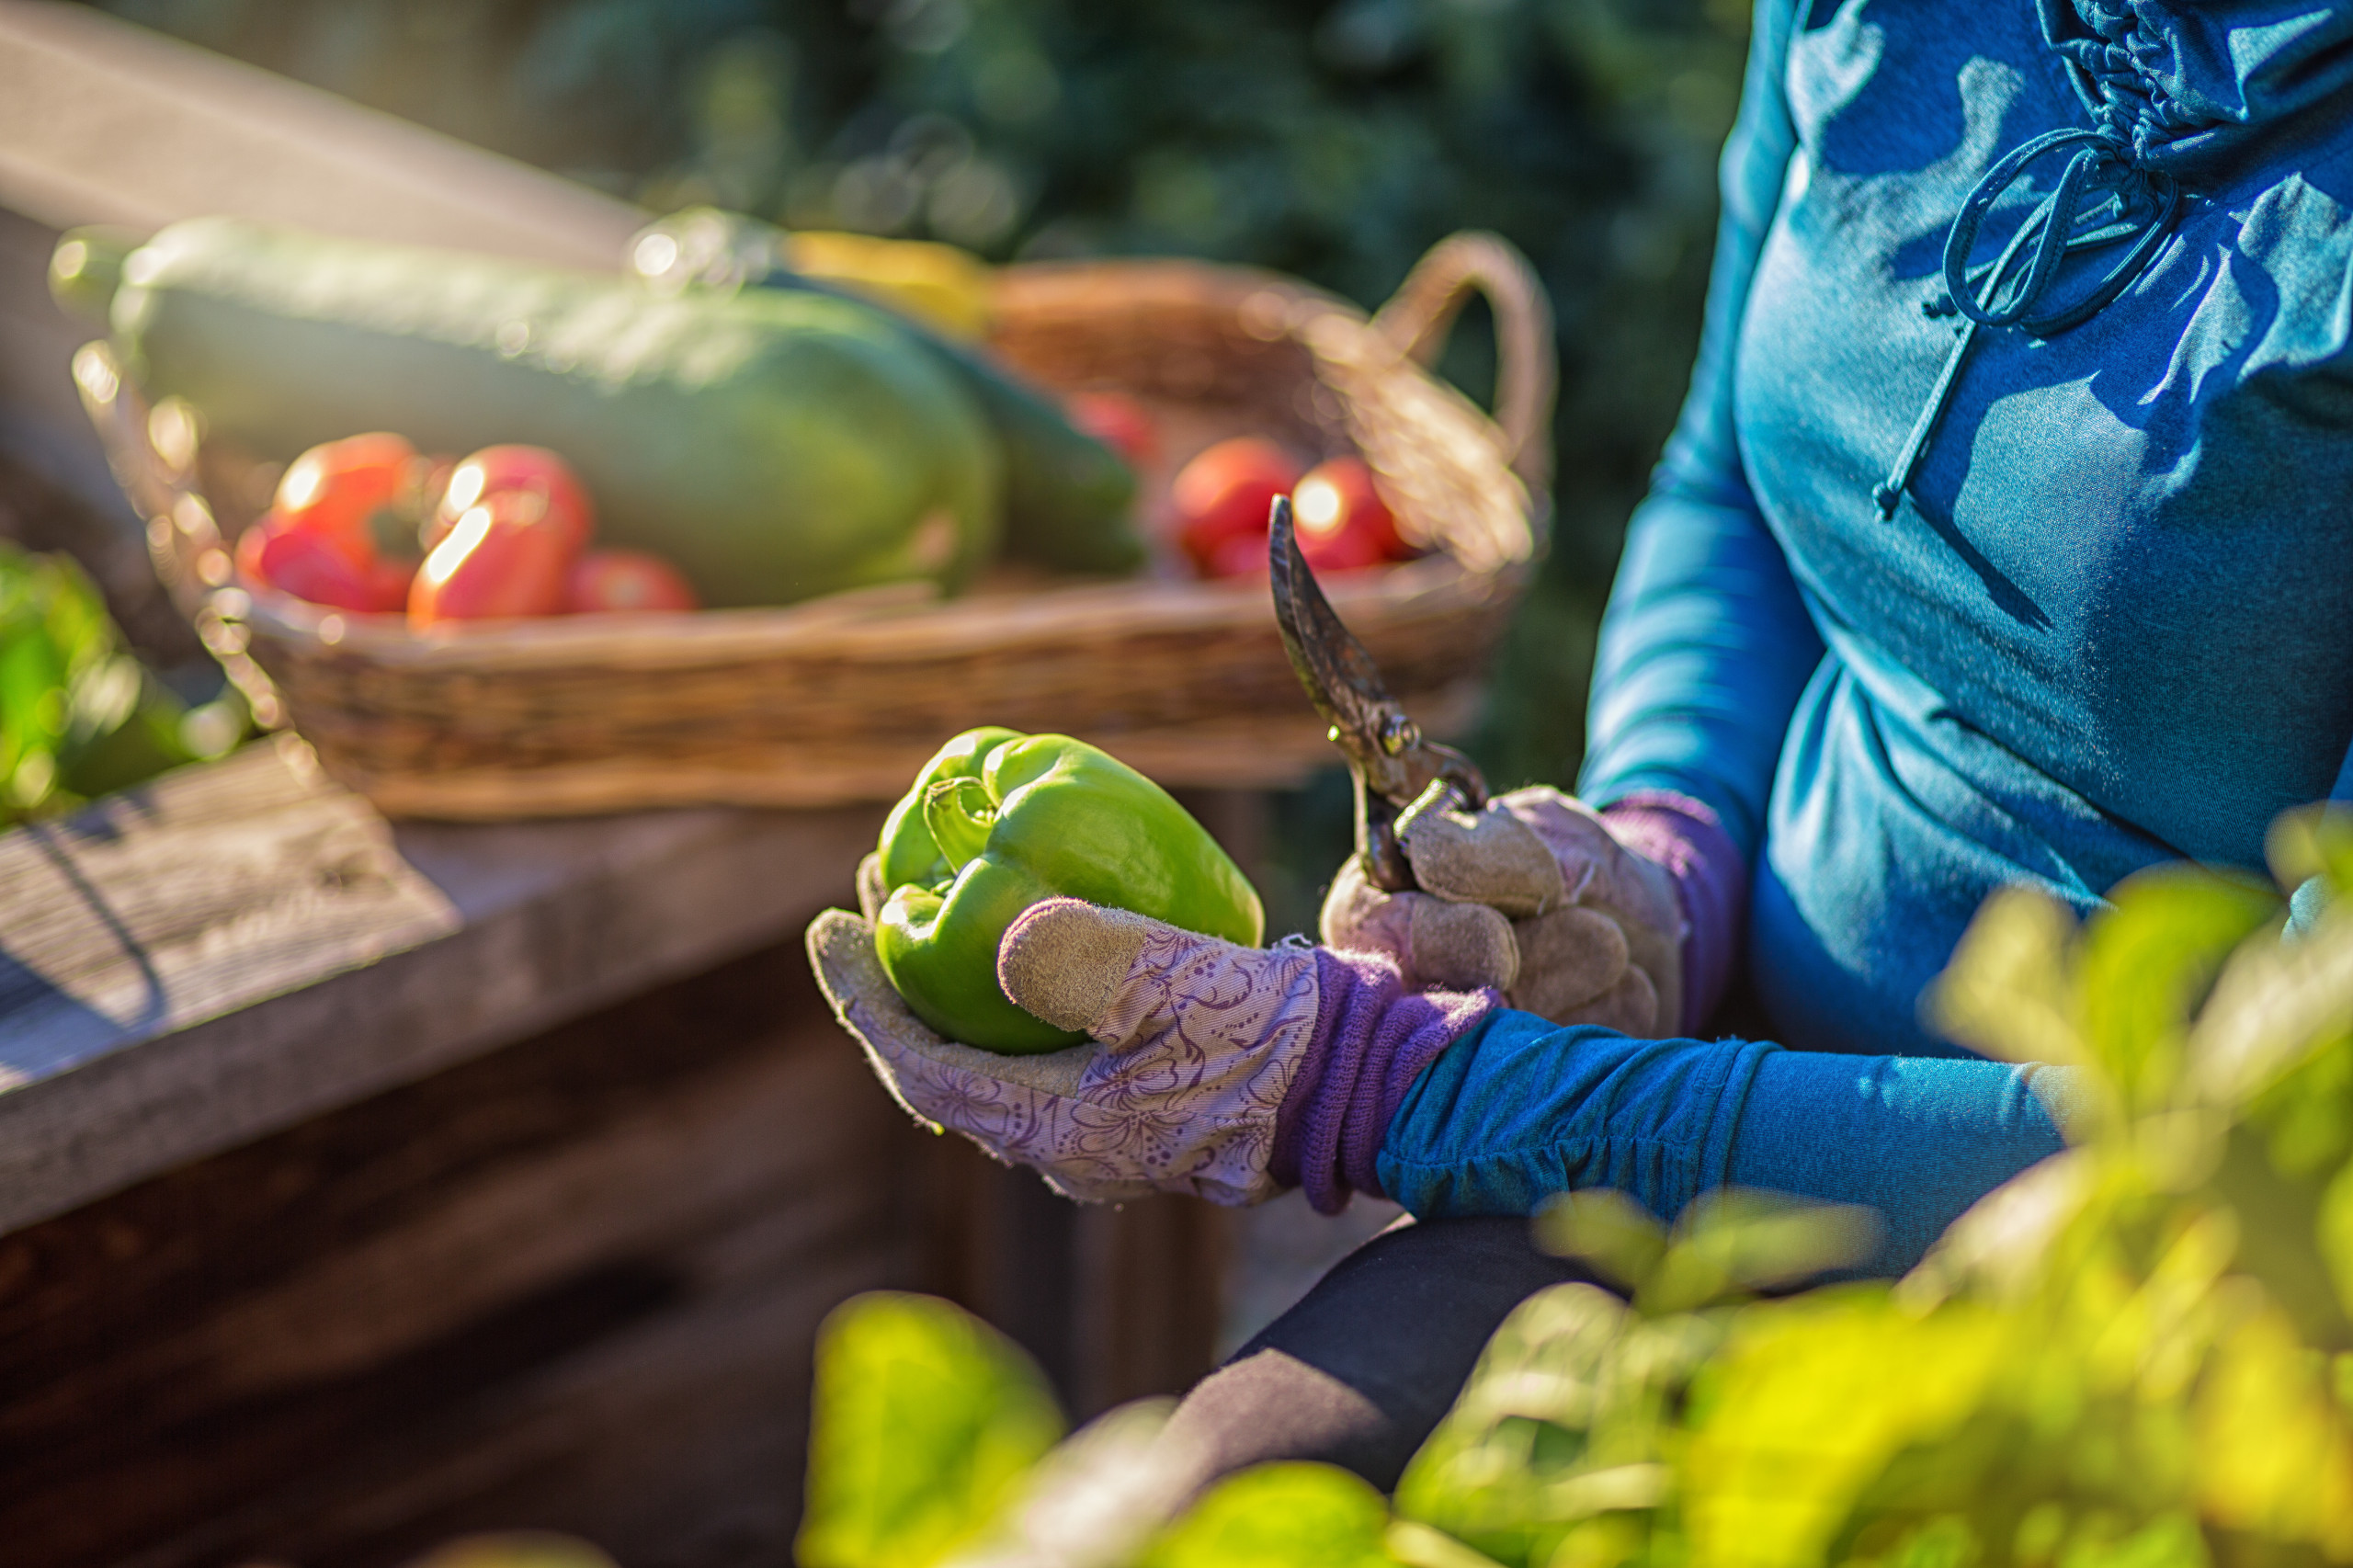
364, 1183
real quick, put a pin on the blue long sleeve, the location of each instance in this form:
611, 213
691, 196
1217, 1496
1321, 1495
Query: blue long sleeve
1706, 643
1520, 1109
1917, 1138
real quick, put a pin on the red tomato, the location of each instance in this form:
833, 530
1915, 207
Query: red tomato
545, 478
505, 557
360, 492
1237, 557
606, 582
1226, 493
248, 554
1119, 422
310, 565
1342, 521
388, 585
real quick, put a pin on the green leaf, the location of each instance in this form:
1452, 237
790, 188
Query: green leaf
1735, 1241
2277, 1007
78, 716
1419, 1546
1617, 1237
1558, 1442
147, 740
1278, 1515
2145, 963
2316, 841
1808, 1402
2277, 1453
1523, 1423
2173, 1540
2007, 992
32, 706
1727, 1242
922, 1422
2002, 1244
2116, 999
1094, 1501
2281, 1216
1945, 1541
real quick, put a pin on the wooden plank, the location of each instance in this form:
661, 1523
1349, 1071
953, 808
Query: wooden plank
1150, 1282
213, 958
161, 908
572, 1284
104, 122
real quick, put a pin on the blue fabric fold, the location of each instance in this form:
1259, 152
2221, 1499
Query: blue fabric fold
2190, 84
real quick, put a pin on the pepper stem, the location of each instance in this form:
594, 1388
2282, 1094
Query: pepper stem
959, 815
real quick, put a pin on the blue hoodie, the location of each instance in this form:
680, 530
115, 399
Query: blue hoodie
1925, 605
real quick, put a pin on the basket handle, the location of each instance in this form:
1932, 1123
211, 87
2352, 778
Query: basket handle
1418, 316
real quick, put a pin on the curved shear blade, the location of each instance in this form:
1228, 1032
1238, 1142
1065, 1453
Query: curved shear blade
1394, 765
1369, 725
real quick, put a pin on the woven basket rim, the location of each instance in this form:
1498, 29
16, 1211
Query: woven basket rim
899, 621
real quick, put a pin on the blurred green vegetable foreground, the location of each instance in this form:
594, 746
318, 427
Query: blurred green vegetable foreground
2137, 1355
79, 716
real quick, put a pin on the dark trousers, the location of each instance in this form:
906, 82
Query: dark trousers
1361, 1370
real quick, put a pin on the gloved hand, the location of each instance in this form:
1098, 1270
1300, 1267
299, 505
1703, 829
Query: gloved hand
1226, 1072
1199, 1041
1535, 896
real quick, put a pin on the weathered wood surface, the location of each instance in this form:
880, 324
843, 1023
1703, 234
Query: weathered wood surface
213, 958
572, 1284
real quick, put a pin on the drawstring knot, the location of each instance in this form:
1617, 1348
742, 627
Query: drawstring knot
2102, 200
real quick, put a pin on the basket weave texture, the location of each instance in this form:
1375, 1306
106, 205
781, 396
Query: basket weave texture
841, 700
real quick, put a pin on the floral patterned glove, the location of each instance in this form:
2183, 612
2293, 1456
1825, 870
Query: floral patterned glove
1535, 895
1198, 1043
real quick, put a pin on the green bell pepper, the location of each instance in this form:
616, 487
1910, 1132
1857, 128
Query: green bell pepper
999, 821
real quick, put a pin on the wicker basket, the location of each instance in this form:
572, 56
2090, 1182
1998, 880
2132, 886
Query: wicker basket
840, 699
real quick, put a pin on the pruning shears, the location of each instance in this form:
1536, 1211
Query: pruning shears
1399, 773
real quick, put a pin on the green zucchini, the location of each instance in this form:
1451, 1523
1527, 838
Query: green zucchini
774, 446
1069, 499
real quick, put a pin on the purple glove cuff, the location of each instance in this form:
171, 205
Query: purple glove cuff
1372, 1038
1710, 877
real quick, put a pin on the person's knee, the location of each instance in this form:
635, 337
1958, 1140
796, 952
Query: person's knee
1266, 1405
1358, 1371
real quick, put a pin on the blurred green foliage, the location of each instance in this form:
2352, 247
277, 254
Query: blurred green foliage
79, 715
1332, 139
2137, 1355
1278, 1515
923, 1419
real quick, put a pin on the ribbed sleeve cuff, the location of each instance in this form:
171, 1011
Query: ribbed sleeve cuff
1372, 1038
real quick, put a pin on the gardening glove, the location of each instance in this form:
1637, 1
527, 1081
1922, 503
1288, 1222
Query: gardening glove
1196, 1044
1536, 896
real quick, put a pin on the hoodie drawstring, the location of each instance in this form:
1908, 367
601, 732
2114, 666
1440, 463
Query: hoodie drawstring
2102, 200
